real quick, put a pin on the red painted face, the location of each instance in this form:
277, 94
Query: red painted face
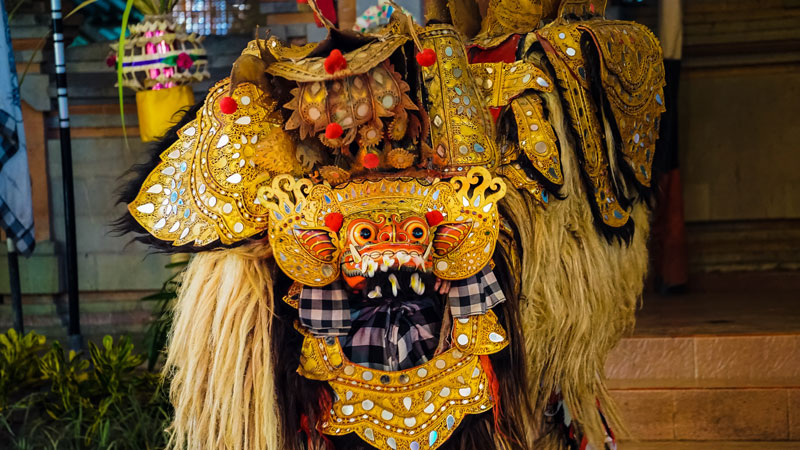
390, 242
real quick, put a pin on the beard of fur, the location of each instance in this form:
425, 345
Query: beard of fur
219, 356
578, 292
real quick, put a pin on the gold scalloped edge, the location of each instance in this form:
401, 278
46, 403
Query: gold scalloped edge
359, 61
425, 404
205, 187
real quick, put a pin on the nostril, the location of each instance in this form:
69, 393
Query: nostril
385, 238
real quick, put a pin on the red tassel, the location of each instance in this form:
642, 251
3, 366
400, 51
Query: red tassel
333, 131
228, 105
434, 217
325, 404
335, 62
427, 57
334, 221
371, 161
305, 429
325, 401
494, 387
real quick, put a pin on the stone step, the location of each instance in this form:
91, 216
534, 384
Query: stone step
686, 389
763, 361
750, 414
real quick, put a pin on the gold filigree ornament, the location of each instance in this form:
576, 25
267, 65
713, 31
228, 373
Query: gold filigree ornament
632, 73
309, 252
562, 41
536, 137
462, 129
205, 188
518, 178
359, 62
357, 103
501, 82
418, 408
581, 8
506, 17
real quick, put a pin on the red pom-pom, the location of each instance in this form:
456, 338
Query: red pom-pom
434, 217
427, 57
371, 160
333, 131
228, 105
335, 62
334, 221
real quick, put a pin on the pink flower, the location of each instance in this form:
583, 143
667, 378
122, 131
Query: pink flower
184, 61
111, 61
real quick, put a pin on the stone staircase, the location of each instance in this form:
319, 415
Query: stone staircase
718, 369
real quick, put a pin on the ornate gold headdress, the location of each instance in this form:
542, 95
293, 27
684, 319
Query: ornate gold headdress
352, 115
309, 251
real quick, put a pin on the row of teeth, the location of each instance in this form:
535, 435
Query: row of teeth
370, 263
416, 284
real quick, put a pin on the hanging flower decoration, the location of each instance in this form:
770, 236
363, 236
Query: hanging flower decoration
160, 54
184, 61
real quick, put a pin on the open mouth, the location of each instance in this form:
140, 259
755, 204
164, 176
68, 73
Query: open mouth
376, 259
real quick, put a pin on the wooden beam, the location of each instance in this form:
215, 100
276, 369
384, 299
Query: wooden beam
98, 132
347, 13
37, 165
110, 108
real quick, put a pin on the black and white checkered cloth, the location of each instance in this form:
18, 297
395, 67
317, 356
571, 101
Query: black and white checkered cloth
476, 294
325, 310
16, 208
392, 334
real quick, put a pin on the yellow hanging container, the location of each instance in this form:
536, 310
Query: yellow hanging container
161, 62
161, 109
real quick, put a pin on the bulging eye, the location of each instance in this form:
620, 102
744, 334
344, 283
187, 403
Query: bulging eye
362, 233
416, 230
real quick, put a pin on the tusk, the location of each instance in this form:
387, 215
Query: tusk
354, 253
427, 251
393, 281
417, 285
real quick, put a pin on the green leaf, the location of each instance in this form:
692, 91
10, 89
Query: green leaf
79, 7
120, 59
170, 60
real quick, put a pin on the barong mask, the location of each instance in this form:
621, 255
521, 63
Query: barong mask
372, 159
448, 227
